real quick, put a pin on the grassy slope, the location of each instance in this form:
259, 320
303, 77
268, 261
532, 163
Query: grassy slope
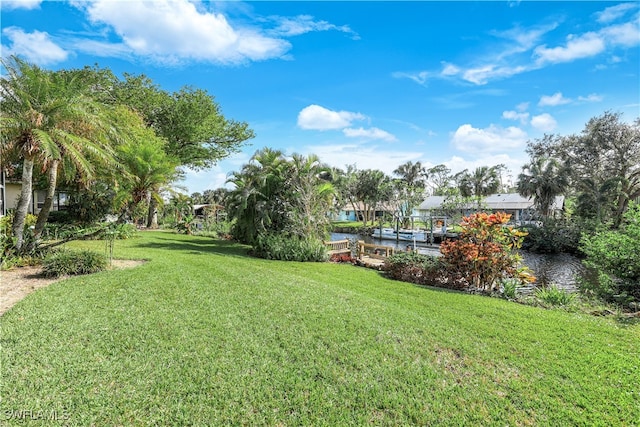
205, 335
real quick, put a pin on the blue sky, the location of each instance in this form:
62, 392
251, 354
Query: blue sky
375, 84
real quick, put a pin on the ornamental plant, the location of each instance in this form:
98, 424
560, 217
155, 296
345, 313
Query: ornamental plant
486, 252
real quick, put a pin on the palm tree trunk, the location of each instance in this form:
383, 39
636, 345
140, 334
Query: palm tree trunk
43, 215
23, 203
152, 217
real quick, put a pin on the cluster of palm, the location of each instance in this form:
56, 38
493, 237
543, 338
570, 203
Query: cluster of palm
278, 195
87, 129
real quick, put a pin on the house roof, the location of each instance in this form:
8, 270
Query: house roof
509, 201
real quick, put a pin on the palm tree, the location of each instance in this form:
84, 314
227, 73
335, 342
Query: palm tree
47, 119
274, 194
411, 187
257, 202
482, 182
543, 179
147, 168
311, 195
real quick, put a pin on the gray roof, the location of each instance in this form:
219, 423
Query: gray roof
509, 201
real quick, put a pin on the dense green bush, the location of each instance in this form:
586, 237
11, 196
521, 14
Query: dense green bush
9, 256
67, 262
89, 206
554, 236
215, 229
417, 268
615, 257
289, 248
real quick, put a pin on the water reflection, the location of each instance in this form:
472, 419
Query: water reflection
562, 270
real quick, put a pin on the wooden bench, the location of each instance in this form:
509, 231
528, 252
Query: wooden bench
374, 251
338, 247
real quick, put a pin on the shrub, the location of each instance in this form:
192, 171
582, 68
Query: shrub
554, 236
9, 255
342, 258
485, 253
416, 268
509, 288
555, 296
614, 255
67, 262
290, 248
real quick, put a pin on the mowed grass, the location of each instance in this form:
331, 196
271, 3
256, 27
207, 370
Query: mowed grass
202, 334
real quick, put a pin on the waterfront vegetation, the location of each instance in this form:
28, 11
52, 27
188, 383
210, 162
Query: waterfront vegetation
205, 334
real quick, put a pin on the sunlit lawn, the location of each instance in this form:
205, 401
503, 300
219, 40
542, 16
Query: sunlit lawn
202, 334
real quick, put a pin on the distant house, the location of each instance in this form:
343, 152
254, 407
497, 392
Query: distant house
209, 211
522, 209
347, 213
10, 193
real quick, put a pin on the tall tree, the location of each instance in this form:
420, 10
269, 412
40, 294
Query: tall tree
411, 187
257, 202
439, 178
543, 179
372, 188
147, 168
607, 150
190, 120
274, 194
47, 118
311, 194
482, 182
217, 196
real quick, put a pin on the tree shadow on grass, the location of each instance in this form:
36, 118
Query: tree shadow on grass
198, 246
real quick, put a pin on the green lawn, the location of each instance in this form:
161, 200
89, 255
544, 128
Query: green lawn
205, 335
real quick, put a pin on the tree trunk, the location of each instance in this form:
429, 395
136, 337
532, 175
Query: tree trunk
23, 203
152, 218
43, 215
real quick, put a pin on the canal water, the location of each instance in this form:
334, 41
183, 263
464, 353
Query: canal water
562, 270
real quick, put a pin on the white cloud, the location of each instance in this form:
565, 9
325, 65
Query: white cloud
614, 12
36, 47
363, 155
315, 117
302, 24
102, 49
522, 39
420, 77
523, 106
514, 165
514, 56
449, 69
626, 35
171, 31
20, 4
544, 122
491, 139
553, 100
371, 133
523, 117
583, 46
592, 97
482, 75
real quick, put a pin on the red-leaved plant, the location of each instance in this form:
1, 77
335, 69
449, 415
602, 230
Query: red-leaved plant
486, 252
